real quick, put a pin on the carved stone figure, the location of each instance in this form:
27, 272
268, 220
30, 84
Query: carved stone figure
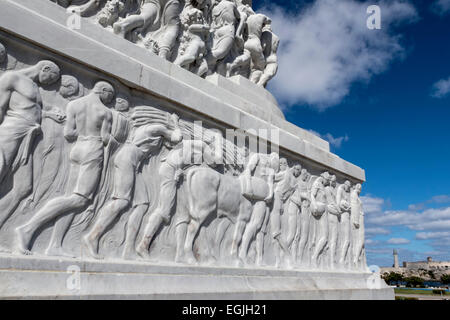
193, 48
84, 7
270, 43
3, 54
217, 36
53, 144
255, 26
357, 219
343, 201
299, 219
191, 152
128, 185
110, 13
20, 119
88, 123
52, 173
226, 23
258, 180
284, 186
334, 215
320, 217
165, 12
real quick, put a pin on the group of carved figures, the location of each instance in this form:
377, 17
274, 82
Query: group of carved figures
204, 36
94, 148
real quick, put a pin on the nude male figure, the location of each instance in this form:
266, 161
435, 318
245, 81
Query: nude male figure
270, 43
152, 11
259, 174
320, 217
20, 119
334, 216
343, 201
195, 32
89, 125
357, 219
285, 183
255, 27
299, 219
129, 185
226, 25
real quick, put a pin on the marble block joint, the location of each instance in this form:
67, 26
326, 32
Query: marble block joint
142, 157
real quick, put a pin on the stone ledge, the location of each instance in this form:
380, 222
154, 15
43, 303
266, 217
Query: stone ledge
46, 278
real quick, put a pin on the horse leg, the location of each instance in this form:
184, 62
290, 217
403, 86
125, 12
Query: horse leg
192, 230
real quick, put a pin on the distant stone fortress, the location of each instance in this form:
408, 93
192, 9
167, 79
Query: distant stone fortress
419, 268
428, 265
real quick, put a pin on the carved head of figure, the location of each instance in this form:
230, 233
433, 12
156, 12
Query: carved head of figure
49, 72
69, 86
191, 16
110, 13
2, 53
325, 178
358, 188
122, 103
283, 164
296, 170
333, 181
304, 175
105, 91
274, 161
347, 186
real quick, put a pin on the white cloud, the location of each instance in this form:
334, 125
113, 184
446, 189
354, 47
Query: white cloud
441, 199
372, 205
441, 7
335, 142
432, 235
430, 219
441, 88
376, 231
372, 242
398, 241
328, 47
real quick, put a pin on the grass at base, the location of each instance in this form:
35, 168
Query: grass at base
422, 292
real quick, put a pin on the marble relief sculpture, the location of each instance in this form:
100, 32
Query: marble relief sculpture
20, 122
204, 36
91, 169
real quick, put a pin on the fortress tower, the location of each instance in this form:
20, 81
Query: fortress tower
396, 265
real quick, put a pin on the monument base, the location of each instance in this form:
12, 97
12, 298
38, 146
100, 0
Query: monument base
52, 278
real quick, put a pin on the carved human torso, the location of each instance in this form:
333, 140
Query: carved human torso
90, 114
25, 101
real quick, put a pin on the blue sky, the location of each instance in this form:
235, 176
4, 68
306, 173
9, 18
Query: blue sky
374, 95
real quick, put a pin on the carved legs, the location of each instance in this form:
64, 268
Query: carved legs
59, 231
147, 17
50, 211
134, 223
192, 230
253, 227
106, 217
292, 232
321, 238
304, 236
180, 233
333, 236
154, 222
345, 239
